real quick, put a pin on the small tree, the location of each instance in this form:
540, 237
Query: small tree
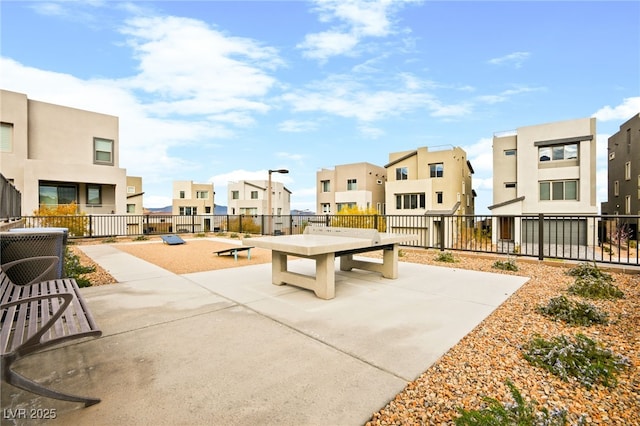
64, 216
355, 217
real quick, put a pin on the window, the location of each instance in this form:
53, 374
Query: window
326, 185
352, 184
436, 170
254, 195
341, 206
439, 198
326, 208
52, 194
410, 201
612, 155
510, 185
627, 204
202, 195
188, 211
235, 195
616, 188
628, 141
103, 151
207, 209
558, 152
94, 195
559, 190
131, 208
6, 137
509, 152
181, 194
131, 189
627, 170
402, 173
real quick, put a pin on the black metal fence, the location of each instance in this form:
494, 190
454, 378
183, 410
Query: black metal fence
608, 239
11, 200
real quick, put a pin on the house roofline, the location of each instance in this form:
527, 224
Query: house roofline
506, 203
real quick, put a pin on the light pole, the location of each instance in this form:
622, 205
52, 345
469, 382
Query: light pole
283, 171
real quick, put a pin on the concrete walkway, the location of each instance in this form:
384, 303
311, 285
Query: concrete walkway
227, 347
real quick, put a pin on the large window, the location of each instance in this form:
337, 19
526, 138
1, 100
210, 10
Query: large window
410, 201
352, 184
402, 173
103, 151
204, 195
188, 211
326, 185
6, 137
254, 195
436, 170
235, 195
341, 206
325, 207
51, 194
558, 152
94, 195
559, 190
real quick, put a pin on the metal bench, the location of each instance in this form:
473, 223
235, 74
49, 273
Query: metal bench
37, 315
234, 251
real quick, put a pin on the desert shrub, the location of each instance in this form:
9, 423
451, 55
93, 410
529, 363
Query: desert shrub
245, 224
355, 217
109, 240
595, 288
574, 313
507, 265
445, 256
63, 216
141, 238
73, 269
582, 359
589, 270
519, 412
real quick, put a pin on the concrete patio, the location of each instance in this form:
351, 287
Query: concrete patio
228, 347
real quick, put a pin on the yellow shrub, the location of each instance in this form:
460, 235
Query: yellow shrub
63, 216
355, 217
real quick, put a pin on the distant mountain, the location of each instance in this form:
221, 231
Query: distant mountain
220, 210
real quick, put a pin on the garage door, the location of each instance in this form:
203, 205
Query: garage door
556, 231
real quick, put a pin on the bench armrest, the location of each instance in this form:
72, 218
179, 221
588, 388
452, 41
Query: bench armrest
67, 298
53, 263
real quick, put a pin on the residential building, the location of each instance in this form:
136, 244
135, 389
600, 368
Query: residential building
134, 195
250, 197
623, 172
549, 169
430, 183
350, 185
56, 155
195, 201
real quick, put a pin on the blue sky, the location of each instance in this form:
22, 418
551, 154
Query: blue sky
218, 91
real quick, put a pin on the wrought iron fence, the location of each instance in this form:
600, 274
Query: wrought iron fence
608, 239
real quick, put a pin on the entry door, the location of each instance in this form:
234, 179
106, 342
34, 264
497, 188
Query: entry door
506, 228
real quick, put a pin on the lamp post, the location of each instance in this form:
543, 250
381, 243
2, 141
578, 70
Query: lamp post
283, 171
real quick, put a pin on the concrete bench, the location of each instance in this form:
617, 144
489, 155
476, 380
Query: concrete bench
38, 315
234, 251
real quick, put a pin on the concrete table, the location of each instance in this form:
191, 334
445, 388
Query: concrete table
324, 244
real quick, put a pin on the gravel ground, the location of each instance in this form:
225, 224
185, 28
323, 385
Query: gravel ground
482, 361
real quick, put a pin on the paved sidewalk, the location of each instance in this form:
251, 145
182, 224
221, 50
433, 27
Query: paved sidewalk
228, 347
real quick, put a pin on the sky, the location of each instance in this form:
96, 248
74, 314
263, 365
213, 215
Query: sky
220, 91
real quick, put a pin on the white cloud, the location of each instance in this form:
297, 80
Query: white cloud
505, 95
290, 156
624, 111
516, 59
353, 21
296, 126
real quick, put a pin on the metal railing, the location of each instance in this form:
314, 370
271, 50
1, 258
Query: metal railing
10, 207
608, 239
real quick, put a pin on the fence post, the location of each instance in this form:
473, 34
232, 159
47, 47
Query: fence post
441, 237
540, 236
90, 225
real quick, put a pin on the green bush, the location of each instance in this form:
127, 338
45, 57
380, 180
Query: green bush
582, 359
595, 288
141, 238
73, 269
585, 270
507, 265
520, 412
574, 313
445, 256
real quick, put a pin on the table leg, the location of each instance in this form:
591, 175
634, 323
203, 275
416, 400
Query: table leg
278, 267
390, 262
325, 283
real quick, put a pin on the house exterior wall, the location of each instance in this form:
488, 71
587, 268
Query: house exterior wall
623, 149
191, 200
365, 191
134, 195
448, 192
245, 205
54, 145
